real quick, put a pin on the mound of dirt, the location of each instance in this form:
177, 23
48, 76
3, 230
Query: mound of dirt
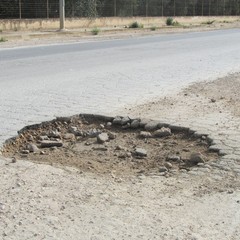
104, 145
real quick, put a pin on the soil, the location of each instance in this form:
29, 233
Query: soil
117, 155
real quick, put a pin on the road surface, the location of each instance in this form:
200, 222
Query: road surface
39, 83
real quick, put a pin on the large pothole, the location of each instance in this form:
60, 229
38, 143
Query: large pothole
119, 145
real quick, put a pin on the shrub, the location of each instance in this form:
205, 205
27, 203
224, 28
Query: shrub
153, 28
209, 22
169, 21
136, 25
95, 31
3, 39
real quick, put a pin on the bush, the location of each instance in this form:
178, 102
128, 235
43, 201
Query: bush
136, 25
3, 39
209, 22
95, 31
153, 28
169, 21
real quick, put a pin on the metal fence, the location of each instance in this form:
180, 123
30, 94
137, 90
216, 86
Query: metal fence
18, 9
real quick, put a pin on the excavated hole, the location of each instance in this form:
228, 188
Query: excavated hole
165, 155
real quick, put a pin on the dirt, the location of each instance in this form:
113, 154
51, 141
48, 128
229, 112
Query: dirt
117, 155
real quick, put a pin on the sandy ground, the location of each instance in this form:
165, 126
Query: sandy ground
39, 201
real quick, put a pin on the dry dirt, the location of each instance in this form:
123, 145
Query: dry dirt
117, 155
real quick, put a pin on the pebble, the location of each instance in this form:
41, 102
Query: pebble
163, 169
102, 138
117, 120
125, 120
163, 132
168, 165
141, 152
69, 136
32, 148
196, 158
135, 123
25, 151
152, 125
48, 144
145, 134
174, 158
112, 135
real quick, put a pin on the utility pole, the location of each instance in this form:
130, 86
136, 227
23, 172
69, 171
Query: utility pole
62, 14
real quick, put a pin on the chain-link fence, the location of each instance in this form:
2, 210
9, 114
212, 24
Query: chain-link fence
18, 9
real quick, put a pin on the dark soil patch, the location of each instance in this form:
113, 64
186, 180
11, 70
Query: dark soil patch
82, 150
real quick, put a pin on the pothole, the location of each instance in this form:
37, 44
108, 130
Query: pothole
104, 145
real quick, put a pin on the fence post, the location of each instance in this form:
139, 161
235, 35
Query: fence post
162, 9
62, 14
146, 8
20, 9
47, 8
115, 7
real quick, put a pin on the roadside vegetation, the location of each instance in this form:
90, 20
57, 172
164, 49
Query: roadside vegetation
2, 39
170, 22
208, 22
136, 25
95, 31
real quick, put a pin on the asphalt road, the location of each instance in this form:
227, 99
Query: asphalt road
39, 83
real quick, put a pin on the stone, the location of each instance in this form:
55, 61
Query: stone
119, 147
25, 151
163, 169
168, 165
145, 134
32, 148
140, 152
117, 120
49, 144
135, 123
196, 158
93, 133
112, 135
14, 160
69, 136
102, 138
152, 125
174, 158
54, 134
102, 126
109, 124
44, 137
163, 132
125, 120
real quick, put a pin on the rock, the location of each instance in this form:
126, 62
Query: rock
126, 126
44, 137
112, 135
54, 134
140, 152
163, 169
93, 133
14, 160
152, 125
196, 158
174, 158
163, 132
100, 148
69, 136
135, 123
25, 151
119, 147
48, 144
168, 165
125, 120
102, 138
32, 148
117, 120
109, 124
145, 134
102, 126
